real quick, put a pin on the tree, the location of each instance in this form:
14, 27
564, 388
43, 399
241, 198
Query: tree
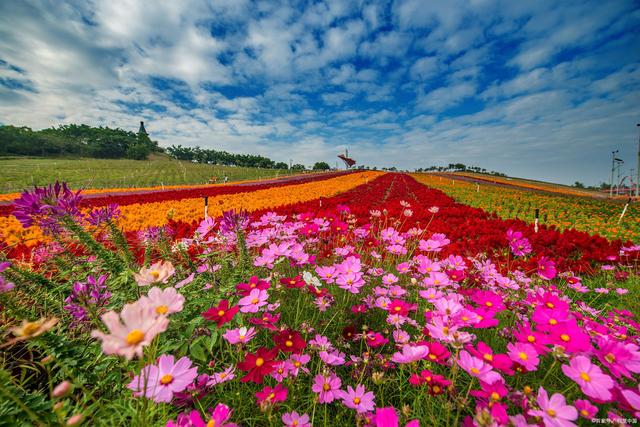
321, 166
298, 167
281, 165
578, 184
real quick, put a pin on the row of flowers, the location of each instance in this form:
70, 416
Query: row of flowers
525, 184
376, 308
590, 215
147, 212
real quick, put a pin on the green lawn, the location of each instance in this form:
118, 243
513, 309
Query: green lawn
19, 173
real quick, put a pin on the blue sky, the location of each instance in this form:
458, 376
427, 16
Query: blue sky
537, 89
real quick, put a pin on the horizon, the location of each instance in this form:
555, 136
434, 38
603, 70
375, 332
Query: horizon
542, 91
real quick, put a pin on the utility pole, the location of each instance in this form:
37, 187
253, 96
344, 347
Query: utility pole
638, 166
613, 169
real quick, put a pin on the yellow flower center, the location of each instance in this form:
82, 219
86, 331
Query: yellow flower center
398, 308
356, 400
495, 396
271, 396
488, 304
135, 337
211, 423
432, 356
531, 338
289, 343
475, 371
610, 358
166, 379
584, 413
551, 412
550, 305
523, 356
297, 364
585, 376
255, 301
553, 322
221, 313
259, 362
565, 337
445, 330
162, 309
155, 274
326, 387
436, 389
241, 337
488, 357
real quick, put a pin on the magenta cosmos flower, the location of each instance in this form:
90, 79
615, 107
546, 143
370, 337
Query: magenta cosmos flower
546, 268
140, 327
387, 417
589, 377
293, 419
359, 399
252, 302
159, 382
554, 412
219, 417
328, 387
524, 354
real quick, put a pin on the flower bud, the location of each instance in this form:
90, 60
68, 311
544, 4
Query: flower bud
57, 406
75, 420
62, 389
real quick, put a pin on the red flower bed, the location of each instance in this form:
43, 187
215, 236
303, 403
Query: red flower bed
471, 230
123, 199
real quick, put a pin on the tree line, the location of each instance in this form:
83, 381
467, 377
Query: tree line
76, 140
210, 156
459, 167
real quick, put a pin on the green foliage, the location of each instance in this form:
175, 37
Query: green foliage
321, 166
201, 155
75, 140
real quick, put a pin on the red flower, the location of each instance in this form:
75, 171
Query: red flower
293, 282
267, 321
222, 313
258, 365
268, 396
289, 341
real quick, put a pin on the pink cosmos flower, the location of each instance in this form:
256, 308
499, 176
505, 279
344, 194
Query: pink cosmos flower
327, 386
590, 378
140, 327
160, 272
334, 358
359, 399
239, 336
297, 363
351, 281
477, 368
293, 419
554, 412
164, 302
620, 358
524, 354
328, 274
410, 353
159, 382
222, 377
251, 303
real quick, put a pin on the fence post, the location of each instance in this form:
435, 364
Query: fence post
535, 222
624, 210
206, 207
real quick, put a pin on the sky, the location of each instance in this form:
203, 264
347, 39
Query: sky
536, 89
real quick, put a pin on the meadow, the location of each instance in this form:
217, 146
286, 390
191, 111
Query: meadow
19, 173
366, 299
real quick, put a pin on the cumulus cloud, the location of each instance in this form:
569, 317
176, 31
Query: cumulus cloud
538, 89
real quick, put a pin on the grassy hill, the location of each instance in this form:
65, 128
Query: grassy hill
18, 173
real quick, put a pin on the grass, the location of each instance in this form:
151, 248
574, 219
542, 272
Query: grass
19, 173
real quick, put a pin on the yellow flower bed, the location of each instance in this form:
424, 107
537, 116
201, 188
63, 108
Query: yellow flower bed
583, 214
141, 215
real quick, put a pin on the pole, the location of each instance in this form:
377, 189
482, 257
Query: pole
638, 171
206, 207
613, 168
624, 210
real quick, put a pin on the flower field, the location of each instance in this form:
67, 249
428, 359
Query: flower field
563, 212
362, 299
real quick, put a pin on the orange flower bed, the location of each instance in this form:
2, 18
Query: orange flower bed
141, 215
